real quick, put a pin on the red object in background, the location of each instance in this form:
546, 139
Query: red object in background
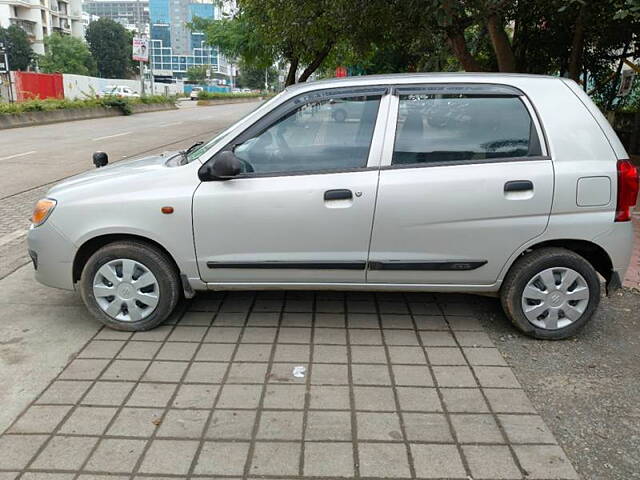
341, 72
31, 85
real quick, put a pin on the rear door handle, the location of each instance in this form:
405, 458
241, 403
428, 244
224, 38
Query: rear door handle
339, 194
518, 186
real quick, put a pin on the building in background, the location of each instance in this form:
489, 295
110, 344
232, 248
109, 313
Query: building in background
129, 13
41, 18
175, 48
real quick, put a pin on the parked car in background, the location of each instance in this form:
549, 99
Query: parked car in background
508, 185
120, 91
195, 91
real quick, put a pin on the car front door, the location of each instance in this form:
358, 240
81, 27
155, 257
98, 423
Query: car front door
465, 181
301, 211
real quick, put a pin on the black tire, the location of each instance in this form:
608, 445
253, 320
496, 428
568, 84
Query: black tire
525, 268
151, 257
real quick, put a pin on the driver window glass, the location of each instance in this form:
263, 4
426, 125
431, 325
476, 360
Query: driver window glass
448, 128
329, 134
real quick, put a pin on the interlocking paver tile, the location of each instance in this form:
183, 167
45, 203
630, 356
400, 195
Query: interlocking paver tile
125, 370
328, 459
368, 354
169, 456
427, 427
330, 336
400, 337
229, 319
214, 352
454, 376
222, 458
135, 422
247, 373
295, 334
183, 423
526, 429
108, 393
329, 397
501, 377
197, 318
290, 397
253, 353
259, 335
240, 396
276, 458
437, 339
139, 350
545, 461
187, 334
280, 425
464, 400
430, 322
371, 374
476, 428
437, 461
88, 420
473, 339
195, 396
231, 424
464, 322
296, 320
46, 476
364, 336
165, 371
151, 395
378, 426
223, 334
115, 455
101, 349
412, 375
445, 356
329, 374
109, 334
484, 356
64, 453
509, 400
374, 398
158, 334
326, 425
330, 354
332, 320
419, 399
491, 461
283, 373
17, 450
292, 353
364, 319
64, 392
206, 372
40, 419
383, 460
407, 355
396, 321
177, 351
84, 369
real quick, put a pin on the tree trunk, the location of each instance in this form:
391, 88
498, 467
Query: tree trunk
291, 74
577, 45
458, 44
317, 61
501, 44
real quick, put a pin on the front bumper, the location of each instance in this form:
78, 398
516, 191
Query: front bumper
52, 255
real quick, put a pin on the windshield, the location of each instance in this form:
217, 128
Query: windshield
200, 151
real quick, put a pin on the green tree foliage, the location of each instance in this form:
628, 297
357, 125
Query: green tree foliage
253, 77
110, 45
18, 47
66, 54
197, 74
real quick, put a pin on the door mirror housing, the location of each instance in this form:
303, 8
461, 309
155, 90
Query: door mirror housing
225, 166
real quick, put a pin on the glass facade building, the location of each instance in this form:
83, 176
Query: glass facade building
126, 12
174, 47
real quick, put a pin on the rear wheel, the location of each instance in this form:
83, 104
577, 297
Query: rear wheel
551, 293
130, 285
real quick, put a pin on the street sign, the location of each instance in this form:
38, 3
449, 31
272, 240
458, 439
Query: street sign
626, 82
141, 49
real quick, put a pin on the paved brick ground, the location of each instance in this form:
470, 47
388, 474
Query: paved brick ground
396, 386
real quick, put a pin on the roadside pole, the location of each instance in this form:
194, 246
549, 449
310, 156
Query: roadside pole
5, 70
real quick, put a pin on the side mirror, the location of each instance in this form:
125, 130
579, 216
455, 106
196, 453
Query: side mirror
225, 166
100, 159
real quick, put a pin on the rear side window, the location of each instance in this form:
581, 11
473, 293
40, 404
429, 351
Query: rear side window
441, 128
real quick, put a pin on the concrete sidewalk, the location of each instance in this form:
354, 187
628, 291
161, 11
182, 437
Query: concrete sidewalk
395, 386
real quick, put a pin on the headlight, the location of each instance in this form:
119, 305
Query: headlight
42, 210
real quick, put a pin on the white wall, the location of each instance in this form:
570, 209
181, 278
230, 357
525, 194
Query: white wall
80, 86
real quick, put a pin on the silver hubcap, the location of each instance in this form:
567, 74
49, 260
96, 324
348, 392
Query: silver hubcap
126, 290
555, 298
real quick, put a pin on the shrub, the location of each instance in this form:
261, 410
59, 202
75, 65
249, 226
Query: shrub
204, 95
49, 104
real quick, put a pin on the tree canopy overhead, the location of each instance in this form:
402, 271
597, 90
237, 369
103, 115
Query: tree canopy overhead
66, 54
18, 47
110, 45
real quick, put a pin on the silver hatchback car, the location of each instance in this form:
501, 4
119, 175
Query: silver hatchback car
509, 185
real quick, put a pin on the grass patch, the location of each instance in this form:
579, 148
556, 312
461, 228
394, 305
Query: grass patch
50, 104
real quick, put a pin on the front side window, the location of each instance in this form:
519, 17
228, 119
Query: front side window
327, 134
436, 128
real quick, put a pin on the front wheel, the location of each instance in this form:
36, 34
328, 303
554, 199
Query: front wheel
551, 293
130, 285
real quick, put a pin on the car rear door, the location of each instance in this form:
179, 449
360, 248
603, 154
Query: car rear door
465, 180
302, 210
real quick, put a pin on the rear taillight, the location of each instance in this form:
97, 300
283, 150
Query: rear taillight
628, 183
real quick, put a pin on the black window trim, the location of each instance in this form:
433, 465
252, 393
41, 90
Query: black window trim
266, 121
475, 89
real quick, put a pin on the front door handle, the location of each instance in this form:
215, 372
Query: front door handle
518, 186
339, 194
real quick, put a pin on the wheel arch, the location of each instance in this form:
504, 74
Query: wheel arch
92, 245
